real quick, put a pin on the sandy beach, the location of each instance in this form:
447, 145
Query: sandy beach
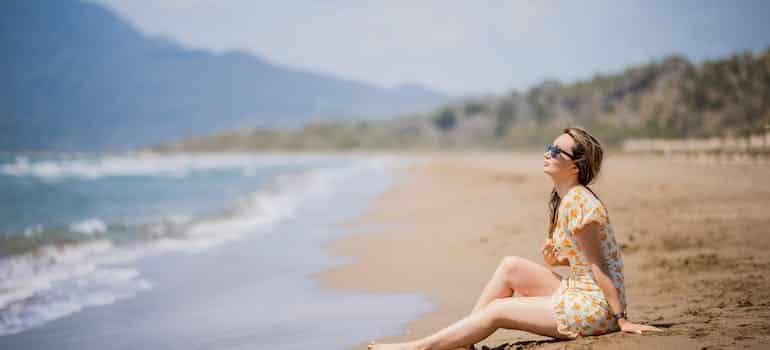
693, 236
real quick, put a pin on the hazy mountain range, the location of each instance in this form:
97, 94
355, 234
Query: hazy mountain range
76, 77
671, 98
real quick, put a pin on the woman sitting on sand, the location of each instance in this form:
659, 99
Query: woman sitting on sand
591, 300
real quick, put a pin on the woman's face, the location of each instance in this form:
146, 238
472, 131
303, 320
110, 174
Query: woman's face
561, 166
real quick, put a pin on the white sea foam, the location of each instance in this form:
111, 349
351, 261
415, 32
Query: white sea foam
101, 286
89, 226
55, 281
33, 230
22, 276
178, 165
273, 204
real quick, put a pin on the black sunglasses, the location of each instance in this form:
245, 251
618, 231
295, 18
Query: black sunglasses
555, 150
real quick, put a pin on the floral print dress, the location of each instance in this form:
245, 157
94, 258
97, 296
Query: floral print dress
579, 303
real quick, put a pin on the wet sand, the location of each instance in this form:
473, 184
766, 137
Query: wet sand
694, 237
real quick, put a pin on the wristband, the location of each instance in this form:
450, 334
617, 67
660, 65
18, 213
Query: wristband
619, 315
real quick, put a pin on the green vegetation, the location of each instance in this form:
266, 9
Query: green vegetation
445, 120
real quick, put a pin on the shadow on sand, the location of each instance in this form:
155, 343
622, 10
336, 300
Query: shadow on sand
531, 344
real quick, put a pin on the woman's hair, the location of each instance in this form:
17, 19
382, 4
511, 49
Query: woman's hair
588, 154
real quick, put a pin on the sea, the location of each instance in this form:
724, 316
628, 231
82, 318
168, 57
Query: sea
188, 251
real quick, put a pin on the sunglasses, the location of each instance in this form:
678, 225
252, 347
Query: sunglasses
555, 150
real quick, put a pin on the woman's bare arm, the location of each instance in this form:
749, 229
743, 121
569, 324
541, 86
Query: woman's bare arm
591, 245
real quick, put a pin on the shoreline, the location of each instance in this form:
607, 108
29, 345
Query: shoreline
224, 280
443, 227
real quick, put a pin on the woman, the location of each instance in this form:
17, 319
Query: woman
590, 301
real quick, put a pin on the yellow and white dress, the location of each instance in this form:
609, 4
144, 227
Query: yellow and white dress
579, 303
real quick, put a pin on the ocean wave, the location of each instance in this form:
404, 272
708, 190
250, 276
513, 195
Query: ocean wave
55, 280
27, 275
178, 165
89, 226
85, 286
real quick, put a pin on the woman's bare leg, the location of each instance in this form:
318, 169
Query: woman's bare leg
531, 314
520, 275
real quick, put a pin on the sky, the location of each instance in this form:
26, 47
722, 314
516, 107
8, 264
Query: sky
458, 47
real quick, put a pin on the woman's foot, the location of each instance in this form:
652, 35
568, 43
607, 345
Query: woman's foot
400, 346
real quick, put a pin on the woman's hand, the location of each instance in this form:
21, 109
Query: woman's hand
630, 327
551, 254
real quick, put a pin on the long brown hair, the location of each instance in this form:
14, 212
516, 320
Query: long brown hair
588, 154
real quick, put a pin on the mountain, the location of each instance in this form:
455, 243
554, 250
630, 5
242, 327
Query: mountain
76, 77
673, 98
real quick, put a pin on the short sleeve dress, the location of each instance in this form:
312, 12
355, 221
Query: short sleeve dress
579, 303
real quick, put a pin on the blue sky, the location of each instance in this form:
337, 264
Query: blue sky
460, 47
